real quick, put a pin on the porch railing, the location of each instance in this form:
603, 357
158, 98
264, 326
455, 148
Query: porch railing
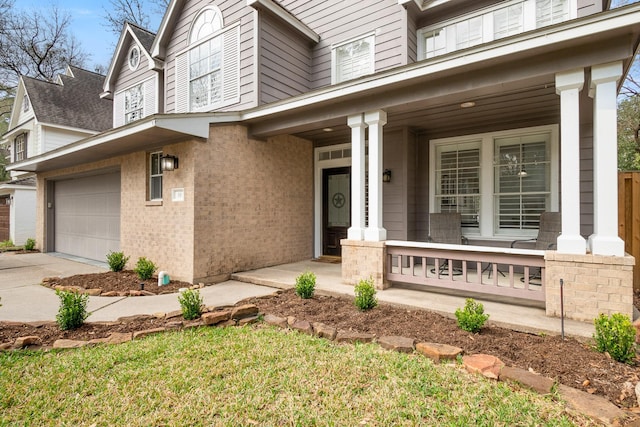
517, 273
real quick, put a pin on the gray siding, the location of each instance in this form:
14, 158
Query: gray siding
589, 7
285, 61
338, 21
232, 11
127, 78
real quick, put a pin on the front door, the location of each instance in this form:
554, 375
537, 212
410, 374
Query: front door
336, 208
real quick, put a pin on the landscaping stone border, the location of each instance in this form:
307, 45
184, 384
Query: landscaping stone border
491, 367
97, 292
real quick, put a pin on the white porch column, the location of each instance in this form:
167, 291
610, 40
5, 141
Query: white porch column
357, 125
605, 240
568, 86
376, 120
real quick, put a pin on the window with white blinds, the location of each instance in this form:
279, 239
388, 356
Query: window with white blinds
522, 182
493, 23
155, 176
458, 181
353, 59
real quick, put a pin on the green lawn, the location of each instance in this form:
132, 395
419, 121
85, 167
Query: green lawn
254, 376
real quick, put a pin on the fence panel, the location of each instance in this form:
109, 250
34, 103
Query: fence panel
629, 217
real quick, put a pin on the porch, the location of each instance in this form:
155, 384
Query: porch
507, 312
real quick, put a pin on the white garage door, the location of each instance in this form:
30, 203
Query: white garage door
87, 216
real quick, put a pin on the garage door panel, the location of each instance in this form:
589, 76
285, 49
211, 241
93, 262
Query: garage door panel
87, 216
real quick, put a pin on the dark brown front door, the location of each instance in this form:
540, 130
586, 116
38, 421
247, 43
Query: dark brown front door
336, 208
4, 219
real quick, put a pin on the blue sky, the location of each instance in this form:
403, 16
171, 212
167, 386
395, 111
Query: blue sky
87, 25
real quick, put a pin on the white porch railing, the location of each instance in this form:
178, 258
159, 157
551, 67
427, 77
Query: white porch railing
498, 271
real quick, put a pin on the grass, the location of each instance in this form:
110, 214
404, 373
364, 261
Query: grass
245, 376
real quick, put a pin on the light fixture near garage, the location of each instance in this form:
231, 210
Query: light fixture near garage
168, 162
468, 104
386, 175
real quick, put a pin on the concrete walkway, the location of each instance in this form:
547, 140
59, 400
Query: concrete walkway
24, 300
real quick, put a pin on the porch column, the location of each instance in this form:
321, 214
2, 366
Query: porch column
357, 125
605, 240
376, 120
568, 86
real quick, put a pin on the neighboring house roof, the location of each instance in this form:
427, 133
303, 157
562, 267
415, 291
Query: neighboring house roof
74, 102
29, 181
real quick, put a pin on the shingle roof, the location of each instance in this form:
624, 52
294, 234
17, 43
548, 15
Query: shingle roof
74, 103
27, 182
146, 37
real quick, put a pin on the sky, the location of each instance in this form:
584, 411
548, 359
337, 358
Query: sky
87, 25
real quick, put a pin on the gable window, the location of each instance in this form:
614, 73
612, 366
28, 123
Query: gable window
155, 176
500, 183
208, 72
134, 58
353, 59
492, 23
25, 104
20, 147
133, 103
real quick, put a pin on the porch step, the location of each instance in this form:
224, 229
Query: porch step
330, 259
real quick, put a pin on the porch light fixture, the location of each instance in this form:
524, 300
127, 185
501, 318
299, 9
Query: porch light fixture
386, 175
468, 104
523, 172
168, 162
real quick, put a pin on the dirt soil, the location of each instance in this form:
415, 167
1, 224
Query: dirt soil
570, 362
122, 281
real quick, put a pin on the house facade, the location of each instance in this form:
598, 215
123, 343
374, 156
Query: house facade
45, 116
259, 132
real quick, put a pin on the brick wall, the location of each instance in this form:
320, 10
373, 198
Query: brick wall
593, 284
364, 260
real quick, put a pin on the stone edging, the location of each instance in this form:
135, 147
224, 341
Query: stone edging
97, 292
490, 367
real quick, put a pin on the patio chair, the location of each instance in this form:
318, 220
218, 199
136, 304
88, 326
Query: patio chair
446, 228
549, 229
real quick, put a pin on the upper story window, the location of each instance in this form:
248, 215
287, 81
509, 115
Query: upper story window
353, 59
25, 103
207, 73
502, 20
133, 103
20, 147
134, 58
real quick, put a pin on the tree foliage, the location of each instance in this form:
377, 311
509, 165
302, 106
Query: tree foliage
629, 133
137, 12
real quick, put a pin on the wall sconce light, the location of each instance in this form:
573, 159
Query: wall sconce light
168, 162
523, 172
386, 175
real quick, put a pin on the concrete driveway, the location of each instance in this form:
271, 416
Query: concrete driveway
25, 300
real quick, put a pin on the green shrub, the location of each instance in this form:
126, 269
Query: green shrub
305, 285
472, 317
30, 244
6, 243
73, 310
616, 335
117, 261
145, 268
365, 295
191, 304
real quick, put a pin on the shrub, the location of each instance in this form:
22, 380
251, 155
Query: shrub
191, 304
616, 335
73, 310
365, 295
30, 244
472, 317
145, 268
6, 243
117, 261
305, 285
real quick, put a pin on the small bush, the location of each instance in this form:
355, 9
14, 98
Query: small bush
6, 244
616, 335
472, 317
191, 304
305, 285
365, 295
73, 310
145, 268
117, 261
30, 244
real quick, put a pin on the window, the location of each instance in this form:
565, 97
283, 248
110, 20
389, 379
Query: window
499, 182
133, 103
208, 72
458, 177
25, 104
134, 58
501, 20
353, 59
155, 176
20, 147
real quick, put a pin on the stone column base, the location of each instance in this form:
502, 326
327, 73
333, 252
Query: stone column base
593, 284
364, 260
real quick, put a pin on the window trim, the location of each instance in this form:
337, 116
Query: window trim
150, 176
133, 66
141, 104
334, 59
487, 193
24, 137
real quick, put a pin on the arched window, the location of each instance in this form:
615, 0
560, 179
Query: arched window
208, 22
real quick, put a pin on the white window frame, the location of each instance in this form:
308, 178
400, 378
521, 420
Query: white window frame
487, 228
369, 68
448, 27
155, 178
136, 112
133, 58
20, 141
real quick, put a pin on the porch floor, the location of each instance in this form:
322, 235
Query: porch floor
507, 313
